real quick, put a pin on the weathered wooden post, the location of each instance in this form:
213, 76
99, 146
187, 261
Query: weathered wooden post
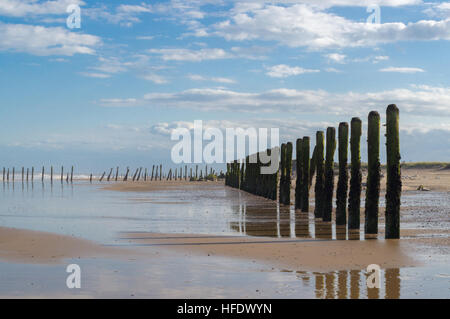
23, 173
27, 173
342, 186
160, 171
139, 174
329, 174
312, 167
43, 171
4, 172
299, 169
394, 182
51, 174
71, 174
185, 173
283, 173
90, 178
103, 175
32, 174
305, 174
13, 174
7, 176
288, 173
117, 173
354, 196
176, 174
125, 178
373, 174
320, 178
62, 173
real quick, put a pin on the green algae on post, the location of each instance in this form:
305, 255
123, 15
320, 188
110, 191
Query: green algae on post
394, 183
329, 174
373, 174
342, 185
305, 174
354, 197
318, 189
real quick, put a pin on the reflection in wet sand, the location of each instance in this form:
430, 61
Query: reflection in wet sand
326, 285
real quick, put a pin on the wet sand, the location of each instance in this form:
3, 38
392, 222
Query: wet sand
291, 254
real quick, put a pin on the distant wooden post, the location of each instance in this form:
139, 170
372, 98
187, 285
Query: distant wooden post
32, 174
373, 174
27, 173
342, 186
43, 171
23, 173
90, 178
67, 178
354, 197
185, 172
175, 173
62, 173
7, 177
4, 172
320, 177
190, 173
71, 174
196, 171
305, 175
51, 174
125, 178
329, 174
153, 171
145, 175
117, 174
109, 175
103, 175
283, 172
394, 182
160, 171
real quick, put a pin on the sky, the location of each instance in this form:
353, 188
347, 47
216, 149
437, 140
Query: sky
110, 92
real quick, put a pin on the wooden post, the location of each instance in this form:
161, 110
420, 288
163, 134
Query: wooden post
373, 174
160, 171
342, 186
51, 174
62, 173
153, 171
23, 173
42, 176
196, 171
283, 173
320, 178
32, 174
7, 177
145, 175
185, 172
4, 172
103, 175
354, 196
305, 174
329, 174
27, 173
71, 174
90, 178
117, 173
126, 175
299, 170
394, 182
109, 175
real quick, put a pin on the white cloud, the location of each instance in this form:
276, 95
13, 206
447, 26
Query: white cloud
336, 57
39, 40
22, 8
191, 55
415, 101
283, 70
197, 77
401, 70
333, 70
95, 75
380, 58
301, 25
155, 78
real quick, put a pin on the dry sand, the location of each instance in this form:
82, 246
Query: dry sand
28, 246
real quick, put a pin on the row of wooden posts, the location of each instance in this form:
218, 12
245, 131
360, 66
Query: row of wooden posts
139, 174
247, 176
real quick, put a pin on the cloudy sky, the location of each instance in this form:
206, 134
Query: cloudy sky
109, 93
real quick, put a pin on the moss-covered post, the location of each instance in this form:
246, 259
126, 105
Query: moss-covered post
373, 174
283, 173
394, 183
329, 174
288, 174
305, 174
354, 196
318, 189
299, 170
342, 186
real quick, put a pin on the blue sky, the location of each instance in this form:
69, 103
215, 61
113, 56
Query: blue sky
109, 93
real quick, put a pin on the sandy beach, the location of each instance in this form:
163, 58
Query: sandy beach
260, 235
